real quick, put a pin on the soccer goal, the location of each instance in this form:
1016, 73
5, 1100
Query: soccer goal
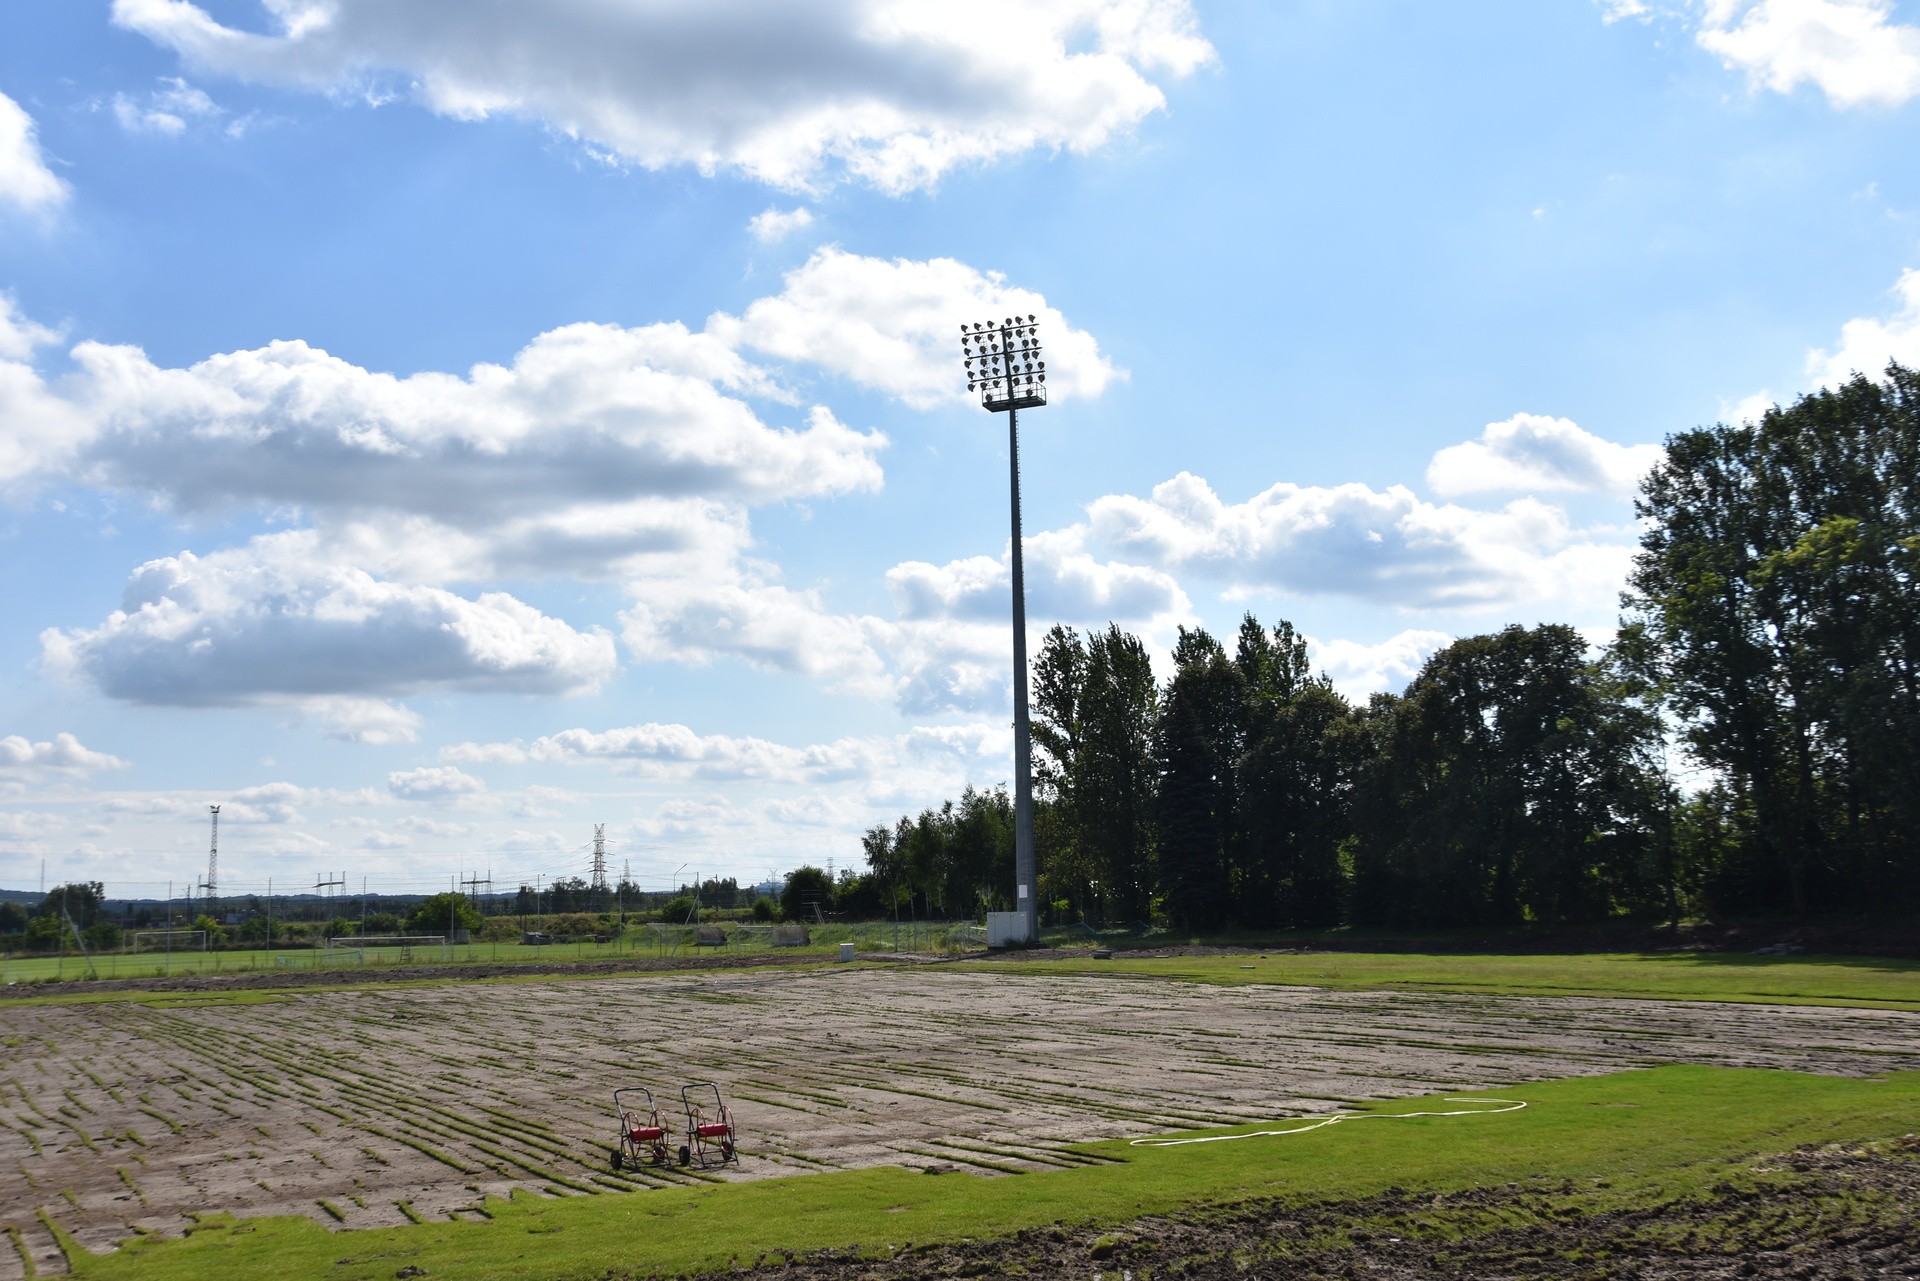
167, 941
401, 949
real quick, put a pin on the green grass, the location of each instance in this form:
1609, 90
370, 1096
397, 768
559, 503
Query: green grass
1676, 1131
1678, 976
639, 943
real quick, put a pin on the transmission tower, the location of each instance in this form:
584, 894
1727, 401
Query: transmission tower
213, 858
600, 859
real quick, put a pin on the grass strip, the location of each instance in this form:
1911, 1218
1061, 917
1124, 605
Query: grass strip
1733, 978
1678, 1130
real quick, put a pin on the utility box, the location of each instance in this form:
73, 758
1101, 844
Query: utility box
846, 951
1007, 929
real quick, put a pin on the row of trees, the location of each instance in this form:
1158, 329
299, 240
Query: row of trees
1771, 635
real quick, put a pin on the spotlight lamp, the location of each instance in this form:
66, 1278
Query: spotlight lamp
1004, 363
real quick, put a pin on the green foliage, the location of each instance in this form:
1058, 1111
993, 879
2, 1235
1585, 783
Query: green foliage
383, 923
102, 935
443, 912
677, 910
1512, 782
13, 918
80, 900
216, 932
1776, 608
806, 888
763, 908
43, 934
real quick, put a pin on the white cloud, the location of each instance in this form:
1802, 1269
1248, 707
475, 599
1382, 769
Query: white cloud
63, 754
1534, 453
893, 93
770, 627
1867, 344
259, 626
433, 783
586, 413
25, 180
895, 326
676, 751
1852, 50
166, 111
1384, 546
42, 428
1358, 670
1612, 11
773, 225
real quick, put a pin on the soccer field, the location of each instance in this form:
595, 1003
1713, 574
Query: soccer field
377, 1105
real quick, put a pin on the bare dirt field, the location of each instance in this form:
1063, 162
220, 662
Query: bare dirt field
369, 1105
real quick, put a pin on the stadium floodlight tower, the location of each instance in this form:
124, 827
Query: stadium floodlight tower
1004, 365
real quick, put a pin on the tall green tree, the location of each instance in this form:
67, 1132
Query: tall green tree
1097, 702
1775, 603
1198, 753
1295, 784
1512, 782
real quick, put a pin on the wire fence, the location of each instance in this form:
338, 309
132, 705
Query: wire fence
154, 958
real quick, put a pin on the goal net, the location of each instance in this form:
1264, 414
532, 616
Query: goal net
167, 941
400, 948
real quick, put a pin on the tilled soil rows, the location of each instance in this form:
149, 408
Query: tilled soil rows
377, 1104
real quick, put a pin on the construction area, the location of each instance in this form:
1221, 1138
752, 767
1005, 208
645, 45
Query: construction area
383, 1103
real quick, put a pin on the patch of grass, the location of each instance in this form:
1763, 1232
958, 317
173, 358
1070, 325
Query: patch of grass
1870, 982
1672, 1130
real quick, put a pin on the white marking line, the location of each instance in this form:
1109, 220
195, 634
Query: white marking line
1507, 1105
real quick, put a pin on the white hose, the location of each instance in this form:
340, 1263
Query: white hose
1502, 1105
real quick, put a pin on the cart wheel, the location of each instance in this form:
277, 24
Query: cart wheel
659, 1154
616, 1160
686, 1154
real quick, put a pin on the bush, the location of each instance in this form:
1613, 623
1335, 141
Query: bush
43, 934
443, 912
677, 911
763, 909
568, 926
103, 935
806, 887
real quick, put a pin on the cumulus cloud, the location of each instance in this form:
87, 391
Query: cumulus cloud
42, 427
1867, 344
1851, 50
892, 93
1358, 670
433, 783
25, 180
773, 225
1534, 453
1385, 546
894, 325
252, 627
587, 412
767, 626
63, 754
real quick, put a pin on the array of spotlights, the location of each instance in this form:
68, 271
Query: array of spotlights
1003, 361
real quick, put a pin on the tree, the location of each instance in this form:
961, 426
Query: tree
1097, 703
1513, 781
1295, 784
444, 913
1775, 603
81, 900
13, 918
808, 890
1198, 752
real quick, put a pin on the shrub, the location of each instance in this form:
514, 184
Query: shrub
677, 910
763, 908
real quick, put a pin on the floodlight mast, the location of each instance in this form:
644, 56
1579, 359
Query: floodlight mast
1003, 363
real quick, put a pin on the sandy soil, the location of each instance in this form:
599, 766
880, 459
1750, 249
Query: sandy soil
366, 1105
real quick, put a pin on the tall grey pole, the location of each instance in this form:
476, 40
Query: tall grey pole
1028, 900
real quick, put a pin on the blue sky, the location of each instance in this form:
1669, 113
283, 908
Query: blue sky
430, 429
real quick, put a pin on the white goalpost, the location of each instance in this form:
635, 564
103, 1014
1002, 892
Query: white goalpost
402, 948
